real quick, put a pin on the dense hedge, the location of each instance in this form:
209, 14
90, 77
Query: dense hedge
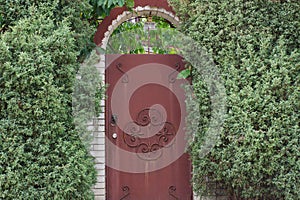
41, 156
73, 11
256, 46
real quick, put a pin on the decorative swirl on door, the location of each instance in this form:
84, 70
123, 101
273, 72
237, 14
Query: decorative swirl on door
172, 191
147, 116
126, 193
149, 148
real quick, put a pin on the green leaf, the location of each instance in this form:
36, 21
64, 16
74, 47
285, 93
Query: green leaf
129, 3
109, 3
184, 74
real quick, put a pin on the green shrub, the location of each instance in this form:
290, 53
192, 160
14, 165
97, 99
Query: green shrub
255, 44
12, 11
41, 156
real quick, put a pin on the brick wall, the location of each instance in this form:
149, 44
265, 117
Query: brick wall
98, 143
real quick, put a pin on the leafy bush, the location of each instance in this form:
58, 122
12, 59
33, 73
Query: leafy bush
255, 44
102, 8
41, 156
12, 11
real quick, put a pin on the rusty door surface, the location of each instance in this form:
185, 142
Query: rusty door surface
145, 123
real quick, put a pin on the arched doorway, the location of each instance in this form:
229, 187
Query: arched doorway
104, 188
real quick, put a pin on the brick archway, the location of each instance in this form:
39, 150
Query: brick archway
118, 15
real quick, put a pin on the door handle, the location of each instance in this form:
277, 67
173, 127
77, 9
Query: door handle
113, 120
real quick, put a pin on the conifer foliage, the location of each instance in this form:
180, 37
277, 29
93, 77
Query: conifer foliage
255, 44
41, 154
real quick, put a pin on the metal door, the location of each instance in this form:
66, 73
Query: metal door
145, 123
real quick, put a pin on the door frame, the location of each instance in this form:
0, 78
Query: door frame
105, 30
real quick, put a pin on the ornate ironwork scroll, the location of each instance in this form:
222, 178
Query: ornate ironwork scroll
125, 78
173, 75
148, 116
172, 191
149, 148
126, 193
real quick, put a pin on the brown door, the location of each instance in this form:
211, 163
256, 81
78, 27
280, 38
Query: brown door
145, 123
